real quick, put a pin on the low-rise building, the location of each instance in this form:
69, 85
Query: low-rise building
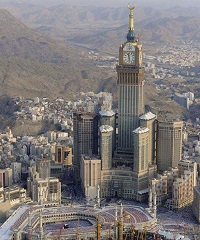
175, 187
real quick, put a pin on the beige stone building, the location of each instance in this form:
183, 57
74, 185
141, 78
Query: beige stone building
41, 188
16, 171
6, 178
148, 120
163, 184
45, 191
1, 194
141, 150
90, 175
124, 183
63, 155
108, 118
189, 165
106, 134
43, 168
14, 194
182, 194
176, 185
169, 144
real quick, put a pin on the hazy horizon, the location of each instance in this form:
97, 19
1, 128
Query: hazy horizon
115, 3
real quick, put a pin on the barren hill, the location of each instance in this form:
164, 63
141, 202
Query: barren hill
31, 64
34, 65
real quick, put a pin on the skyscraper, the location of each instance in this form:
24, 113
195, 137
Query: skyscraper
126, 166
130, 88
141, 149
169, 144
85, 136
148, 120
106, 146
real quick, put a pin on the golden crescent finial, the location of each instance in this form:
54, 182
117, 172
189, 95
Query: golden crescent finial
131, 17
131, 8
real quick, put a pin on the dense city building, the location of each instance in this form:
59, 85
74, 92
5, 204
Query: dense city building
63, 155
174, 187
113, 155
41, 187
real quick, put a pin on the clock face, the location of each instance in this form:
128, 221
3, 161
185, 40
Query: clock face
129, 57
129, 47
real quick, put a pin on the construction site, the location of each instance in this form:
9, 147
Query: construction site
117, 222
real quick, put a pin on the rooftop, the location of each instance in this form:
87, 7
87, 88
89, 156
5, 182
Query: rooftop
106, 128
141, 130
107, 113
148, 116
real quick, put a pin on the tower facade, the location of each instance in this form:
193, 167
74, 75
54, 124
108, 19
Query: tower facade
148, 120
90, 174
141, 148
130, 80
107, 117
85, 136
169, 144
106, 146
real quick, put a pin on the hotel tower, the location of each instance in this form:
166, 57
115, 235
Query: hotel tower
130, 88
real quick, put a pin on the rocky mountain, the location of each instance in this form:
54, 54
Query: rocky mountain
161, 31
32, 64
104, 28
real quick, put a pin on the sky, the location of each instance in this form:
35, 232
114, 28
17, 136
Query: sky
116, 3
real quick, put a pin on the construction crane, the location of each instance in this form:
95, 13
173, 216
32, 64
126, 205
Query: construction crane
120, 230
98, 227
142, 234
77, 229
132, 233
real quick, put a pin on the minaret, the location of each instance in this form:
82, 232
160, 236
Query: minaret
116, 223
98, 228
154, 205
120, 224
130, 88
40, 196
29, 225
87, 195
41, 227
150, 199
98, 196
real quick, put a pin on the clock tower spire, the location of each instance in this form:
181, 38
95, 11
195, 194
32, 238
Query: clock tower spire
131, 34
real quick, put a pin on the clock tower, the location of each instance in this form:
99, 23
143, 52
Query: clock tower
130, 81
125, 168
